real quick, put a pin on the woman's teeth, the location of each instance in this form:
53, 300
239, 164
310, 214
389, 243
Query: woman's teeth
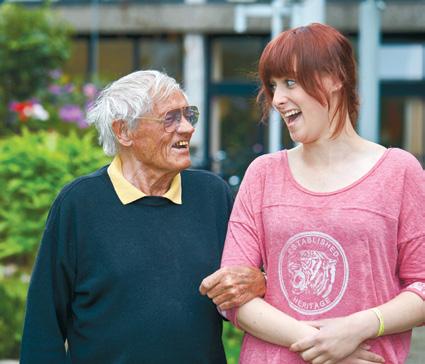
291, 115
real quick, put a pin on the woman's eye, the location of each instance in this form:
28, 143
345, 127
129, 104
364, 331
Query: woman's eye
272, 87
290, 83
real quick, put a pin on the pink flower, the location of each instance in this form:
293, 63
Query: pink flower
55, 89
71, 113
55, 74
69, 88
82, 123
90, 90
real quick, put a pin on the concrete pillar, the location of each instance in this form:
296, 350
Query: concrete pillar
307, 12
194, 83
414, 126
215, 152
215, 130
195, 86
369, 40
275, 121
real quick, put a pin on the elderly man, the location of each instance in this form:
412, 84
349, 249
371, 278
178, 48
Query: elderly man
126, 247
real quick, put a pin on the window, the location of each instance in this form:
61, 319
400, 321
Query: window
401, 62
237, 136
235, 58
115, 58
162, 54
77, 64
403, 124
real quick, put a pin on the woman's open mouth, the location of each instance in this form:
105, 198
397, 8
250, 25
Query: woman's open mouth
291, 116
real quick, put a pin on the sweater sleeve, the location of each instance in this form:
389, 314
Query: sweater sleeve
243, 244
411, 231
49, 296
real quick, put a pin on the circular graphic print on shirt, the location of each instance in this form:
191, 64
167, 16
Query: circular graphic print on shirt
313, 272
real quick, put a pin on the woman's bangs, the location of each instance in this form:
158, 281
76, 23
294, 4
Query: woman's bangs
282, 60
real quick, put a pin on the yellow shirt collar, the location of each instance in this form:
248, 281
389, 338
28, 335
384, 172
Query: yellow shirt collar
128, 193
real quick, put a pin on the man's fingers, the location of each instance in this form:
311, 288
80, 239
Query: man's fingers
217, 290
238, 284
223, 301
211, 281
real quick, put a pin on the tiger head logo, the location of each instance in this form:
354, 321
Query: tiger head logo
312, 272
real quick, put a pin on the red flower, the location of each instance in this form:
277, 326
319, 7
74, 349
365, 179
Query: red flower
23, 109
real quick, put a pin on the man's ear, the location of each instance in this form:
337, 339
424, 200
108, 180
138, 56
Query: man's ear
122, 133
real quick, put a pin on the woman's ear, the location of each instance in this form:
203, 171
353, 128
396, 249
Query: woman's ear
122, 133
332, 84
336, 86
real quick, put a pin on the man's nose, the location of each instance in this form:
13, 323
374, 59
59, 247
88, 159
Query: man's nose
185, 126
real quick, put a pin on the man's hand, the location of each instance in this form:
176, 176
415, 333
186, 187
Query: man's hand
231, 287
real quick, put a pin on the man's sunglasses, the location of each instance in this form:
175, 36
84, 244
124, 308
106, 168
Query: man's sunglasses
173, 118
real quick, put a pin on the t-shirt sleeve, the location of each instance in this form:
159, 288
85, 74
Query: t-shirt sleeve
243, 244
411, 230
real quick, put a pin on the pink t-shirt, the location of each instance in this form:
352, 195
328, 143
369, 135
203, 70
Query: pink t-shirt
330, 254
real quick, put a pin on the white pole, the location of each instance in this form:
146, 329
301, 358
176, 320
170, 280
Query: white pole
275, 122
369, 34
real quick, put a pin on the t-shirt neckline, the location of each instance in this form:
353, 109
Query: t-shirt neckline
340, 190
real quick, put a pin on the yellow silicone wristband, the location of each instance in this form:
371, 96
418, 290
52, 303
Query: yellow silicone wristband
378, 314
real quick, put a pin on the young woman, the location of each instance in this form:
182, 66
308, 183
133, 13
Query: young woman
337, 222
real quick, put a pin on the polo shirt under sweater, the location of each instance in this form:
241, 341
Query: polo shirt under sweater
120, 281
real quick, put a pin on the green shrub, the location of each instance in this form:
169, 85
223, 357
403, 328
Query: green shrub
232, 339
33, 41
33, 168
13, 291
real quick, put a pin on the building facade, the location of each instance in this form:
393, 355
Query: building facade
195, 41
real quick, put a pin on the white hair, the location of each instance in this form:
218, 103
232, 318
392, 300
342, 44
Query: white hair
127, 99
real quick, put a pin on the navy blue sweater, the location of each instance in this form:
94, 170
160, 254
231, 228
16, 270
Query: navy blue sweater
120, 282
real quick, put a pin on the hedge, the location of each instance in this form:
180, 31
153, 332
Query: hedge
33, 168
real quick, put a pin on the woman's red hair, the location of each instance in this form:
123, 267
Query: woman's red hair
306, 54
